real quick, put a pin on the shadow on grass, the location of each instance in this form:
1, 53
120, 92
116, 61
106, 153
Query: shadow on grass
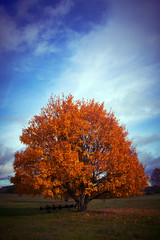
12, 212
28, 211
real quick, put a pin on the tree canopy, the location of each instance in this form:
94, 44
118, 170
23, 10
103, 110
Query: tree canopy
77, 149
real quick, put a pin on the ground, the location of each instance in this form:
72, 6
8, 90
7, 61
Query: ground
112, 219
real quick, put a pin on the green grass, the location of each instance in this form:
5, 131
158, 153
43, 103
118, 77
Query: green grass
112, 219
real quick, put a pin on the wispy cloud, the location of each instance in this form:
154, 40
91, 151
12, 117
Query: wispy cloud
6, 170
140, 141
149, 161
113, 69
6, 159
10, 136
32, 33
8, 29
20, 36
44, 47
22, 8
6, 154
60, 9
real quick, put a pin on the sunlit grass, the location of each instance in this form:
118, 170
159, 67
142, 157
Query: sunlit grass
137, 218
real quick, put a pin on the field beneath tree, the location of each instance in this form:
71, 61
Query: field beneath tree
121, 219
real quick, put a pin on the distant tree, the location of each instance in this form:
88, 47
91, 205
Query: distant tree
7, 189
76, 149
155, 177
152, 190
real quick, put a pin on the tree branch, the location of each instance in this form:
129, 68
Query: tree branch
71, 192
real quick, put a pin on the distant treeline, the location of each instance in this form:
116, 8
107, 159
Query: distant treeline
152, 190
7, 189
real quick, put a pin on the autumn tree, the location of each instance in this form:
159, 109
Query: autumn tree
77, 149
155, 177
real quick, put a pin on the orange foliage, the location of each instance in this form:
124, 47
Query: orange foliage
77, 149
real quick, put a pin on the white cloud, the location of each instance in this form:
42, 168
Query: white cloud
6, 158
6, 170
10, 135
6, 154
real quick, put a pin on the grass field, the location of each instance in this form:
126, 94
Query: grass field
121, 219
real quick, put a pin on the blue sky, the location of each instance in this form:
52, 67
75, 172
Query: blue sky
103, 49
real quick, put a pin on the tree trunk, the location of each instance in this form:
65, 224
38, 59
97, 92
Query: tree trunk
82, 203
82, 207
